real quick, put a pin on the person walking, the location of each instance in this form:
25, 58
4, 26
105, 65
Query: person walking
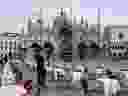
40, 60
41, 69
84, 81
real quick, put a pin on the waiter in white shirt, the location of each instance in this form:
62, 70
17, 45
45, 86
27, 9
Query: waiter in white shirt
111, 85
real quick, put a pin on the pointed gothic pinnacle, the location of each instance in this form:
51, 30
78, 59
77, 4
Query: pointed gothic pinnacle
84, 24
36, 19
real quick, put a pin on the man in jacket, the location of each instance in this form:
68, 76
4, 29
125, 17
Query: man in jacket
49, 50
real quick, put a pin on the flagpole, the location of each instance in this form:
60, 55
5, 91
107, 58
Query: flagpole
99, 25
98, 20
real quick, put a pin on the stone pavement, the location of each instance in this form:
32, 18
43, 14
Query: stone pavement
74, 92
58, 89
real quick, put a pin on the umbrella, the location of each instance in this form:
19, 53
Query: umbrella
36, 46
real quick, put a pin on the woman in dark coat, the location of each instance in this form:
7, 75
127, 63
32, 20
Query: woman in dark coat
41, 70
